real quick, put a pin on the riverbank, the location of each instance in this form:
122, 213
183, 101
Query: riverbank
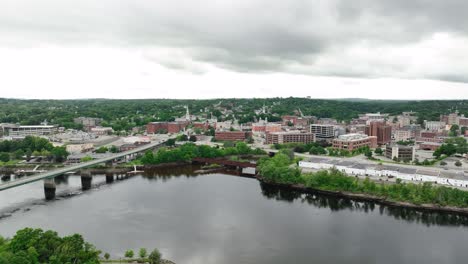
367, 198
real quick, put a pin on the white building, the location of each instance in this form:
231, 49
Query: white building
434, 125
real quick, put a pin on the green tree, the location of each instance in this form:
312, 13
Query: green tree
102, 150
86, 159
170, 142
378, 151
5, 157
458, 163
129, 253
107, 256
59, 154
113, 149
155, 257
193, 138
142, 253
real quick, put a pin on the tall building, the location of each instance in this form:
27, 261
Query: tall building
381, 130
322, 131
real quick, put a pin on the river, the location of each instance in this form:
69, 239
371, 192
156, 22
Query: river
220, 218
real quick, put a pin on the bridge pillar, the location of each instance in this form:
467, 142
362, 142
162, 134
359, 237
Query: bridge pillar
109, 177
49, 189
86, 180
6, 177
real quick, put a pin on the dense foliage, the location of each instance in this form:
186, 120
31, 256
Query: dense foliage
281, 169
452, 146
126, 114
189, 151
34, 246
31, 146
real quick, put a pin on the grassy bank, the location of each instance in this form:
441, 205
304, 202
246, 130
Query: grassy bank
281, 169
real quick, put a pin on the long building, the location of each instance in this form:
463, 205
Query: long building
289, 137
231, 135
23, 131
354, 141
165, 127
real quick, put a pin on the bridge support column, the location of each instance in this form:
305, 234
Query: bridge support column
109, 177
6, 177
86, 180
49, 189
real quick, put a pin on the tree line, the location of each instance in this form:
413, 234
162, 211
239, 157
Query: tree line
188, 151
281, 169
31, 146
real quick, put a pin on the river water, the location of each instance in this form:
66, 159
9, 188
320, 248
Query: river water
220, 218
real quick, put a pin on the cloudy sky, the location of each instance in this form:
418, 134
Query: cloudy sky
395, 49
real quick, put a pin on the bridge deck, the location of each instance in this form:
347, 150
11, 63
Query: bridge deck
55, 173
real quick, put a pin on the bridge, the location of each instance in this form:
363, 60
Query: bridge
49, 184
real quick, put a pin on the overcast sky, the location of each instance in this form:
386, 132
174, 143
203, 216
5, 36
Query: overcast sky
397, 49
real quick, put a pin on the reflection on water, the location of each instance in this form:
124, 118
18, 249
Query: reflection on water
210, 218
339, 203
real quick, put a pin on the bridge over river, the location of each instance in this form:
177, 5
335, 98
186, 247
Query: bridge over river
49, 184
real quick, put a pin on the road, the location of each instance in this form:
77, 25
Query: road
54, 173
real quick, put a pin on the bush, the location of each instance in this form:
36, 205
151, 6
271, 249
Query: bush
155, 257
142, 253
129, 253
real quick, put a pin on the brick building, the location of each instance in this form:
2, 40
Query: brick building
231, 135
354, 141
381, 130
165, 127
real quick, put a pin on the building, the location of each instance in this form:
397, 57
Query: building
23, 131
79, 148
354, 141
404, 120
231, 135
102, 130
402, 135
373, 116
434, 125
166, 127
88, 122
296, 121
289, 137
381, 130
404, 153
453, 119
322, 131
429, 145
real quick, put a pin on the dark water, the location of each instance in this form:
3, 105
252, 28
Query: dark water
218, 218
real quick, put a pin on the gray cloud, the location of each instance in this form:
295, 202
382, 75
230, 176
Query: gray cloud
299, 36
